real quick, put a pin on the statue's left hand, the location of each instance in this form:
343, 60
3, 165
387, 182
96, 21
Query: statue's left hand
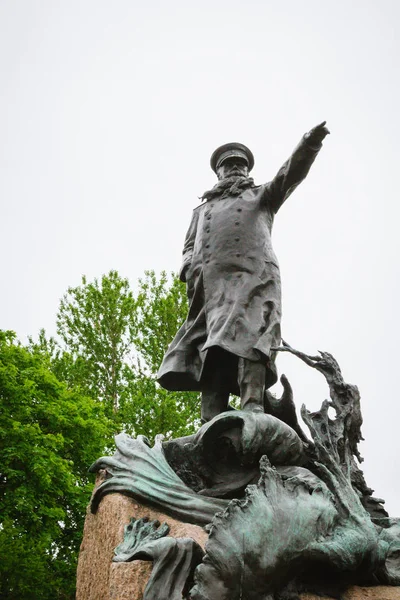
317, 133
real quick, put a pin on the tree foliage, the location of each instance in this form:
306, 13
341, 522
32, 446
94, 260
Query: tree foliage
160, 309
112, 342
61, 400
94, 322
48, 437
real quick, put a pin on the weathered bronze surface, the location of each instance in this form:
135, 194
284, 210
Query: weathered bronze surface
233, 282
286, 513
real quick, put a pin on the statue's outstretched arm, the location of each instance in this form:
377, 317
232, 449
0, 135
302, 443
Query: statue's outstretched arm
296, 168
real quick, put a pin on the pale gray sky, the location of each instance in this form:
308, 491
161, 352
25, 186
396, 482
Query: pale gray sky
109, 112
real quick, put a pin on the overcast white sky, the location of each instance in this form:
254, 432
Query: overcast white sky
109, 112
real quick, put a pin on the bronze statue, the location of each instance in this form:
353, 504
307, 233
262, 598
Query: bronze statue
233, 282
289, 513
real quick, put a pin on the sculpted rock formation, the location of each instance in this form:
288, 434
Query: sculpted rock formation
288, 514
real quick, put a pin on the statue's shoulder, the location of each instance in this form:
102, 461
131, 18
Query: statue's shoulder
256, 190
255, 187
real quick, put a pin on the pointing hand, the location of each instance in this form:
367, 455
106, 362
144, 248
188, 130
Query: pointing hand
317, 134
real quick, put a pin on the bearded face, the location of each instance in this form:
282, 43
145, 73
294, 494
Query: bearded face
233, 167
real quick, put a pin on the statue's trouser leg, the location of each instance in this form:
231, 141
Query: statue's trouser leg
216, 382
213, 403
251, 379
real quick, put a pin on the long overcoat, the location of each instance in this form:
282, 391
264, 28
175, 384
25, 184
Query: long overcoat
233, 279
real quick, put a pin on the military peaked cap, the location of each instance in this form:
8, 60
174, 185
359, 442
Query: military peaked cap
229, 150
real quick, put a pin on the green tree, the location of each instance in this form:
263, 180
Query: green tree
111, 343
49, 435
94, 322
61, 401
160, 309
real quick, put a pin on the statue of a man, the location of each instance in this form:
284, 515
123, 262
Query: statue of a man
233, 282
